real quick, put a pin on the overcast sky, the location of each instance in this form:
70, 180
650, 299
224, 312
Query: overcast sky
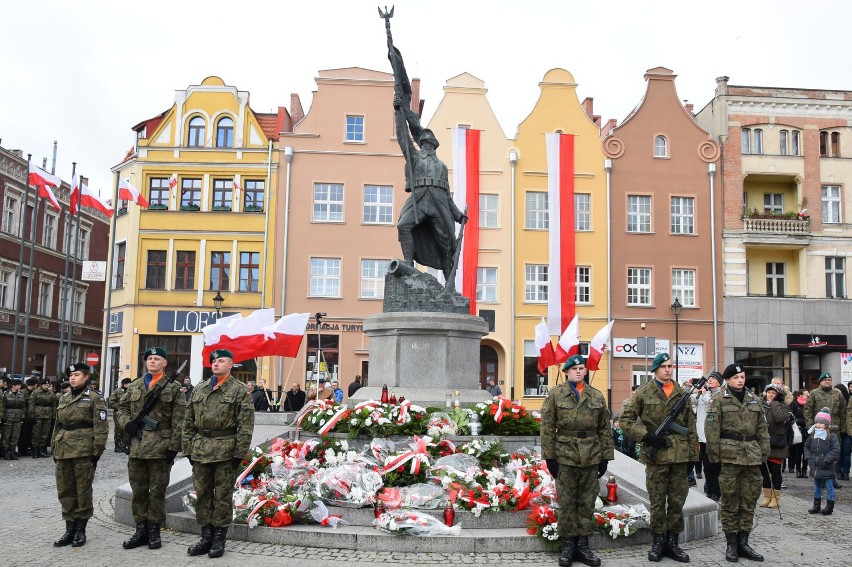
83, 72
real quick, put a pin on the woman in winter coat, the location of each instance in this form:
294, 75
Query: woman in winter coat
822, 449
796, 461
776, 419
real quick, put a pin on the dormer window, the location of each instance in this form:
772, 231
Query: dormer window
225, 133
196, 133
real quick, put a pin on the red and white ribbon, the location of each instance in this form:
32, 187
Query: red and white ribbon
403, 411
247, 471
368, 404
419, 453
516, 406
448, 445
320, 404
498, 415
333, 420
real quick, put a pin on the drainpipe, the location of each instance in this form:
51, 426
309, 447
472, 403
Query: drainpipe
711, 171
608, 169
288, 158
513, 161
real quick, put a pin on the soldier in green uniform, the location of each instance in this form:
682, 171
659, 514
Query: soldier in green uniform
78, 442
14, 412
216, 436
666, 474
114, 398
576, 445
826, 396
42, 406
153, 449
738, 439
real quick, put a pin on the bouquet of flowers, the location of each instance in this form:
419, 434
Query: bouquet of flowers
620, 520
542, 523
460, 470
410, 522
423, 496
440, 424
489, 453
504, 417
348, 485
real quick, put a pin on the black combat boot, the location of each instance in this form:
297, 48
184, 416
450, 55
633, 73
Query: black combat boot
566, 557
139, 537
829, 508
68, 536
6, 455
43, 451
117, 449
13, 455
154, 541
584, 555
79, 534
745, 550
673, 550
658, 547
202, 546
731, 549
218, 547
816, 508
35, 453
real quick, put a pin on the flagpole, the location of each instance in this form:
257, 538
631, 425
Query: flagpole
20, 266
105, 378
29, 293
63, 299
74, 265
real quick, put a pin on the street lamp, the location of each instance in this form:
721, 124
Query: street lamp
218, 300
676, 307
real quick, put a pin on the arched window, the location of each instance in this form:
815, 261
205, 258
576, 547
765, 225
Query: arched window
783, 139
746, 140
225, 133
196, 132
661, 147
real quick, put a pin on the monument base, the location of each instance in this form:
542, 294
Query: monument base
425, 397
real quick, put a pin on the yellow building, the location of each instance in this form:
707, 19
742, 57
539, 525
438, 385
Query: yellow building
558, 109
206, 166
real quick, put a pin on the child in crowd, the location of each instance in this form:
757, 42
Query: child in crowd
822, 449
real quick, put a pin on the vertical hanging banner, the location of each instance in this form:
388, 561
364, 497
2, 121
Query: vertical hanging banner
466, 194
561, 279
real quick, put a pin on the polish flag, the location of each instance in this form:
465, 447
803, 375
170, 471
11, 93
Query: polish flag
128, 192
569, 342
44, 181
237, 187
562, 280
546, 356
466, 194
173, 182
82, 195
255, 335
598, 346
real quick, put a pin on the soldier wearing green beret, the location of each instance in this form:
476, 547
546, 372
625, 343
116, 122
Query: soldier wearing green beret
666, 476
576, 444
42, 405
78, 442
738, 443
216, 436
14, 410
153, 448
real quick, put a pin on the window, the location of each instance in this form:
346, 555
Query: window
372, 278
225, 133
223, 194
328, 202
538, 217
378, 204
835, 144
48, 238
11, 215
829, 144
683, 286
196, 133
823, 144
486, 285
795, 149
757, 141
325, 277
773, 203
155, 274
119, 254
79, 305
582, 212
683, 215
745, 140
7, 287
253, 195
535, 282
158, 193
830, 204
83, 248
185, 270
249, 270
220, 270
488, 213
535, 384
638, 286
45, 298
783, 137
835, 277
775, 279
661, 147
190, 194
583, 279
354, 128
638, 213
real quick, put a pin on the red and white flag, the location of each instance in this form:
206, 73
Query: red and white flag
128, 192
237, 187
569, 342
561, 277
82, 195
173, 180
598, 346
44, 181
544, 345
255, 335
466, 194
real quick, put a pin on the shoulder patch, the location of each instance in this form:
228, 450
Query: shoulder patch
102, 415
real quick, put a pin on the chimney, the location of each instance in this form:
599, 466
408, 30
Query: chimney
283, 122
689, 106
296, 112
722, 85
416, 103
588, 107
609, 127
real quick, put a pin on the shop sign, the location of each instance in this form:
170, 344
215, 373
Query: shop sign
816, 342
626, 348
186, 321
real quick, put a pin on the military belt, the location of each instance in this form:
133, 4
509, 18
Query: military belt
218, 432
431, 182
73, 426
580, 434
737, 436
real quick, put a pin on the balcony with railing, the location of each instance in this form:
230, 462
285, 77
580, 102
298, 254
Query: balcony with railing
776, 228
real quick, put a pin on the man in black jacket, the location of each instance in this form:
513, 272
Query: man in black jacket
295, 398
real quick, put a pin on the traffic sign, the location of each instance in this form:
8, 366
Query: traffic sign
92, 359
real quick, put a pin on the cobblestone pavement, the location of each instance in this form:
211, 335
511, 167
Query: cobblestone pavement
30, 521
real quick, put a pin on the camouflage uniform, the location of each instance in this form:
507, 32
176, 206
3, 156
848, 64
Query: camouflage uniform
576, 434
217, 429
666, 477
42, 406
78, 442
833, 400
14, 412
114, 399
151, 457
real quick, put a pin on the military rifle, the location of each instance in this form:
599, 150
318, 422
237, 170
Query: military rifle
142, 421
668, 425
